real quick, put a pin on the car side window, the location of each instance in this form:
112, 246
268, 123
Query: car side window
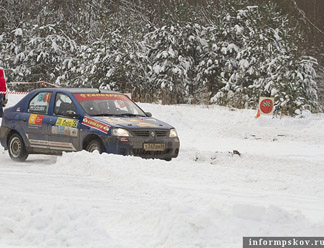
63, 105
40, 103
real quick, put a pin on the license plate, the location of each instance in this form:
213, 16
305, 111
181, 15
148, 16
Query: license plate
154, 147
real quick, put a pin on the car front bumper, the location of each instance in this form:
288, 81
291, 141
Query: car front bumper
135, 146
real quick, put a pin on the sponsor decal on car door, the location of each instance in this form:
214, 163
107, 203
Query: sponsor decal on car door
63, 134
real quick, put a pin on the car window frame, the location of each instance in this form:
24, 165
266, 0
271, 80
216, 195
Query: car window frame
54, 103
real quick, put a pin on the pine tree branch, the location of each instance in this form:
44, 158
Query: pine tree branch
306, 18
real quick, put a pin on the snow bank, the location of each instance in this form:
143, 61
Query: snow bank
194, 201
224, 226
26, 223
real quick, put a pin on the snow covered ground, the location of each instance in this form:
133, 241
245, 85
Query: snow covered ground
207, 197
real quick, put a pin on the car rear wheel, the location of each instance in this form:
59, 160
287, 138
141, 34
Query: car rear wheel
95, 145
17, 149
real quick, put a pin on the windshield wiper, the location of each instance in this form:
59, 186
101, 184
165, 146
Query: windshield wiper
105, 115
125, 114
131, 115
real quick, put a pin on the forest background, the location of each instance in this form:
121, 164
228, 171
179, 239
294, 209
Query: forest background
226, 52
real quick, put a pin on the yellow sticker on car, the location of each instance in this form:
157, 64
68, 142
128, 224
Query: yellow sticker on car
146, 124
67, 122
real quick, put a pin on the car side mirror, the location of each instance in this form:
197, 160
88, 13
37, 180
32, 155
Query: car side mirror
148, 114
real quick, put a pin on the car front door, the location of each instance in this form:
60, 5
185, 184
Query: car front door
63, 132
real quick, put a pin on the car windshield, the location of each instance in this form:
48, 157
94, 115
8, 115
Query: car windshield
108, 104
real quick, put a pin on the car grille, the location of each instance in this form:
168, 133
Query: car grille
142, 152
146, 133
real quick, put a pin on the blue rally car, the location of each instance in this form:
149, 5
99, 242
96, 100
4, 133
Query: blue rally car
50, 121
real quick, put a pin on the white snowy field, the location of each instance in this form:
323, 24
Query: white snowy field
207, 197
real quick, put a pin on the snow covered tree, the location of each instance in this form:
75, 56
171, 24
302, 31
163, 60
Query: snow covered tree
38, 53
116, 60
224, 52
173, 53
253, 58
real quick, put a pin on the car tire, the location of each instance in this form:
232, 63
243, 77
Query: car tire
16, 148
95, 145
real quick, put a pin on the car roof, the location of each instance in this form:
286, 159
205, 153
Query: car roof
77, 90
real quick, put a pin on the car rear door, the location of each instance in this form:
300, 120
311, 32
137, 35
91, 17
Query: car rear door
63, 132
36, 120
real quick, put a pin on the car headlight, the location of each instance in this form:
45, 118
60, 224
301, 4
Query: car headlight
120, 132
173, 133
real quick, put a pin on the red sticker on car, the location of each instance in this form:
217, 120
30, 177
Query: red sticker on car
100, 96
95, 124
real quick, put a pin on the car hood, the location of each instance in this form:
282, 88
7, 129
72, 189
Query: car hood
133, 122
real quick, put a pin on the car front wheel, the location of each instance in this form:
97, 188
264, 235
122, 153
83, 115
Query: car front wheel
17, 149
95, 145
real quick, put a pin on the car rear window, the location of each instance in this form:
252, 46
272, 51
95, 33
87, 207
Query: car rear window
40, 103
